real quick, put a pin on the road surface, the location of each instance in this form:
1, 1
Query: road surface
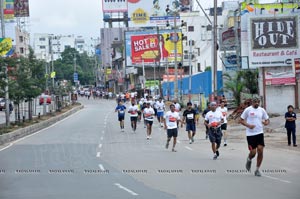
87, 156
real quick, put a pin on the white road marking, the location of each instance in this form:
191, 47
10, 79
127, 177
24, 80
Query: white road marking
28, 136
189, 148
6, 147
100, 146
101, 167
126, 189
273, 178
98, 154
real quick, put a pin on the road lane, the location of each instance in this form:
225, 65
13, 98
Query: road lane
129, 164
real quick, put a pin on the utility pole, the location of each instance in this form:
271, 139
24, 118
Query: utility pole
215, 62
190, 69
175, 61
7, 112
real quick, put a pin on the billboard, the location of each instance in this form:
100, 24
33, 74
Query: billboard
273, 41
227, 39
275, 77
144, 13
150, 47
114, 6
8, 9
21, 8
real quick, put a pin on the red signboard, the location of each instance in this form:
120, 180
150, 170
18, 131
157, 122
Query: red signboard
297, 65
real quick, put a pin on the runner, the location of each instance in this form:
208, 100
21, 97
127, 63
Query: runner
121, 114
149, 113
203, 115
160, 111
254, 117
213, 121
224, 112
133, 110
170, 122
189, 117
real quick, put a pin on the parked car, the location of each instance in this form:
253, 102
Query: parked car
48, 99
2, 104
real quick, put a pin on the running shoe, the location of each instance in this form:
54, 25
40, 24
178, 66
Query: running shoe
206, 137
225, 144
295, 145
257, 173
191, 141
215, 157
173, 150
248, 164
167, 145
218, 153
148, 137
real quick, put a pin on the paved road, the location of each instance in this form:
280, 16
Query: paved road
86, 156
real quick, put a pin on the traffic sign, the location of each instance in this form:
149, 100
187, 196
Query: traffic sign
75, 76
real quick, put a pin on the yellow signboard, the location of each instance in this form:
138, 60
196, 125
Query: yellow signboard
5, 45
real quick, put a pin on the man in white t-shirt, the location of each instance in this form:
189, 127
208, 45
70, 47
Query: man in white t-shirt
133, 111
213, 121
254, 118
149, 116
170, 122
160, 105
224, 112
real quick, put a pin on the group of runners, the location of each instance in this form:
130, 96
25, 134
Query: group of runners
215, 119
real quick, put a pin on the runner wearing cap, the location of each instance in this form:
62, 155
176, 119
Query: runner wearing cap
213, 121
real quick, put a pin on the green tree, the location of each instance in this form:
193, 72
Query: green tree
250, 78
234, 84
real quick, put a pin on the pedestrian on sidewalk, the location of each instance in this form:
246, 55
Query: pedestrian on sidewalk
170, 123
213, 121
189, 118
254, 117
290, 125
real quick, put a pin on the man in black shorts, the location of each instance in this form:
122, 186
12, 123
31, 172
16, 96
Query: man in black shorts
170, 122
254, 117
189, 117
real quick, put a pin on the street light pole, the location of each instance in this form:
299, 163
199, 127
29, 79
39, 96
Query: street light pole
7, 114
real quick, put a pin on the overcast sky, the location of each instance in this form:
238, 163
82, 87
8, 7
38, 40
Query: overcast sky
78, 17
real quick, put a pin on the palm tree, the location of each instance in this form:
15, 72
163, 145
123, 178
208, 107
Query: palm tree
234, 84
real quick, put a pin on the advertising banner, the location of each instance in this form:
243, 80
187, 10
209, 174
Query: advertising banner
114, 6
21, 8
5, 46
287, 77
8, 9
273, 41
229, 61
227, 39
151, 47
144, 13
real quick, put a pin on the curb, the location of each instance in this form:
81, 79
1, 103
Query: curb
20, 133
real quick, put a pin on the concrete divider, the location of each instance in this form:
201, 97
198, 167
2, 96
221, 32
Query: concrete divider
22, 132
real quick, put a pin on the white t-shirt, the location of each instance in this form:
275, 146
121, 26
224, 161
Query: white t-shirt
149, 112
160, 106
216, 116
254, 117
224, 112
171, 119
133, 110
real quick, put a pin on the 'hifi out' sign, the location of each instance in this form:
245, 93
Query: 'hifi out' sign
274, 41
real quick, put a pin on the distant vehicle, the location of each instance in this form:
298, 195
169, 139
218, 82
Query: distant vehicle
48, 99
2, 104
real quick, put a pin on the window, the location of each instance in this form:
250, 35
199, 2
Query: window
191, 28
21, 39
22, 50
199, 67
42, 47
42, 39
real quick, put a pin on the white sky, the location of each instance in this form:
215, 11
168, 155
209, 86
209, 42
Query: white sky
78, 17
